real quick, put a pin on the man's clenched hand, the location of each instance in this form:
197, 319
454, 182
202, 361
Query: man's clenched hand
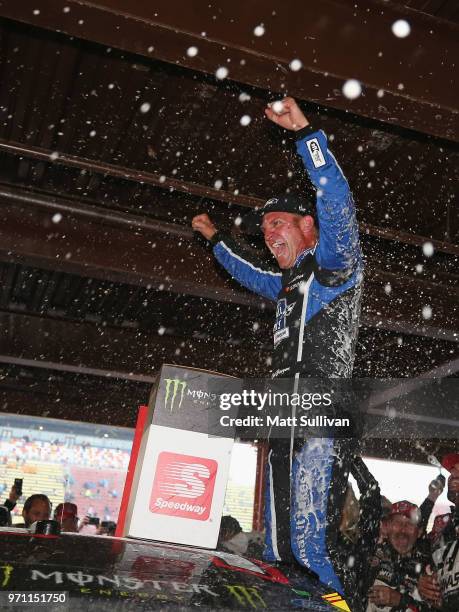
287, 114
429, 589
203, 224
384, 596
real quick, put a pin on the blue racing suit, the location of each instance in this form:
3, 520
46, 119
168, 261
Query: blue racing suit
315, 333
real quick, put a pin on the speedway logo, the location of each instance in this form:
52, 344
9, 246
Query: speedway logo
183, 486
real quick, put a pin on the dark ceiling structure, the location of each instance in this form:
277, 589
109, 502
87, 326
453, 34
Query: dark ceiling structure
115, 131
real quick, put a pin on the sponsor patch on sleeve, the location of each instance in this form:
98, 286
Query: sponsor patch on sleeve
315, 152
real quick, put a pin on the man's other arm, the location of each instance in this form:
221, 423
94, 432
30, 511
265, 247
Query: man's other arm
239, 263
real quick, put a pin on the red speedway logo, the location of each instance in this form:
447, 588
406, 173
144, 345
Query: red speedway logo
183, 486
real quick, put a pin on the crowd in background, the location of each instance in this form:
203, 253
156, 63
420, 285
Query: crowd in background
23, 450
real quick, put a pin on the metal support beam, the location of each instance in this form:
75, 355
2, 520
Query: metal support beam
334, 41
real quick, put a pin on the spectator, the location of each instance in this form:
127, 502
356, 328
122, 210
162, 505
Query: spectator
439, 585
106, 528
37, 507
5, 517
398, 562
231, 537
67, 515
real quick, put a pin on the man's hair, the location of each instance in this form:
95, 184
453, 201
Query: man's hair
35, 497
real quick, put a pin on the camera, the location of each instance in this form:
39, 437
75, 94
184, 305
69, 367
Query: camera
18, 486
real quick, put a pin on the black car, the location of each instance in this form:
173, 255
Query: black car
79, 572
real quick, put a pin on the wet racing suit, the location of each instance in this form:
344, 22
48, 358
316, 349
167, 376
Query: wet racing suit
315, 332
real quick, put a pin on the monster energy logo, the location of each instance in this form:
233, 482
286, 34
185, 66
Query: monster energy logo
247, 597
7, 571
173, 386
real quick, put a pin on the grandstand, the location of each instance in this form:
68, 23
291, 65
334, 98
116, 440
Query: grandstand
239, 503
103, 497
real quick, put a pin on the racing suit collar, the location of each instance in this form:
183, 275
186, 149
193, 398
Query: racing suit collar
303, 254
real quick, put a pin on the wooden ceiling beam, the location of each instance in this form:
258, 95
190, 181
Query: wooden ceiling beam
123, 353
416, 74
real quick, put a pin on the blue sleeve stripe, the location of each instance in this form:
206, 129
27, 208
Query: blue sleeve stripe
247, 263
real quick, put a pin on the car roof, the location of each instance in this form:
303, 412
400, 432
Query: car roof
117, 573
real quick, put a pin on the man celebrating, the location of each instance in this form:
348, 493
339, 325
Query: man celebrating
398, 562
317, 286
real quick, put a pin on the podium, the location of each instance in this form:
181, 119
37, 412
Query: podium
177, 475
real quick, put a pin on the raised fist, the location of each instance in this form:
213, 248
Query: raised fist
287, 114
203, 225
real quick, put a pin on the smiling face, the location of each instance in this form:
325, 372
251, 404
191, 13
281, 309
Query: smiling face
287, 235
402, 533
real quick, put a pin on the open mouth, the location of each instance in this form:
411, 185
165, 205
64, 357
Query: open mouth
277, 246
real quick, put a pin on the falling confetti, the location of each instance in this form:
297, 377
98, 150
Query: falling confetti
428, 249
278, 106
352, 89
295, 65
426, 312
401, 28
221, 73
192, 51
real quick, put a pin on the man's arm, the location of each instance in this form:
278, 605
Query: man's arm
239, 263
435, 490
338, 247
13, 497
370, 507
